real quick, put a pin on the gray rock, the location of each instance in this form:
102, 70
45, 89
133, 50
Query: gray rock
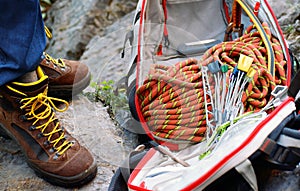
288, 14
90, 123
280, 7
75, 22
102, 54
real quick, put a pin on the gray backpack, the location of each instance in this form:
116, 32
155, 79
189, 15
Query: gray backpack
210, 82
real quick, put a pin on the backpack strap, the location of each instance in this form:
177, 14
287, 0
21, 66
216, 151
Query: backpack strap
282, 147
121, 176
295, 82
128, 36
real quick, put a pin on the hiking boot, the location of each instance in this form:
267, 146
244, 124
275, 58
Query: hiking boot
27, 115
66, 77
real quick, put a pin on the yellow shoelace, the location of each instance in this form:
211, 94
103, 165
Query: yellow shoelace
58, 62
32, 104
48, 32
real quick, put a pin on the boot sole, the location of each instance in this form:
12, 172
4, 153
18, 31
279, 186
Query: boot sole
67, 91
67, 182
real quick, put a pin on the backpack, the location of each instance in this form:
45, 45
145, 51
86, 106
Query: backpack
213, 85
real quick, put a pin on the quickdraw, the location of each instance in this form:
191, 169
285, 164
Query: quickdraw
172, 97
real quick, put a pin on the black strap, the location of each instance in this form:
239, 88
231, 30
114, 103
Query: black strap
117, 182
131, 102
295, 85
295, 82
284, 158
121, 176
129, 36
278, 130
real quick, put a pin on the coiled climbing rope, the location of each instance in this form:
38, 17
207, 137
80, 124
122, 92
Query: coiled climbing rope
172, 101
172, 97
258, 92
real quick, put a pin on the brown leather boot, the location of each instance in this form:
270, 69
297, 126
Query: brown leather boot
27, 116
66, 77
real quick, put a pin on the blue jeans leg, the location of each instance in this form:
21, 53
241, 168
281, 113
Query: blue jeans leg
22, 38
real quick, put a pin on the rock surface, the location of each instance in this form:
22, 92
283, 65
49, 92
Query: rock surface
93, 31
92, 126
75, 23
288, 14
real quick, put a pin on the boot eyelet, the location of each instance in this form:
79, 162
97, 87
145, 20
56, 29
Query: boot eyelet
66, 137
72, 142
52, 150
23, 118
32, 128
56, 156
40, 135
46, 143
18, 100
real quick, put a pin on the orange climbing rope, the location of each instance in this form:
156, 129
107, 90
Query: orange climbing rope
172, 97
258, 92
172, 101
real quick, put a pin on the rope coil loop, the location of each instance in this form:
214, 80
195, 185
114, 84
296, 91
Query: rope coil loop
172, 101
